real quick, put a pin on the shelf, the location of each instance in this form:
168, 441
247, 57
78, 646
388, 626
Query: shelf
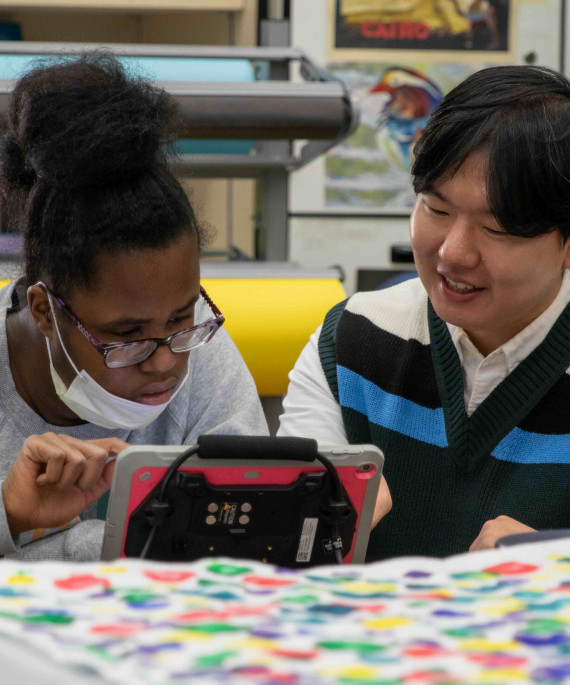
128, 5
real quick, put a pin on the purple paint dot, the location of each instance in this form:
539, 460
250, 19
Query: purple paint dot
417, 574
558, 672
154, 649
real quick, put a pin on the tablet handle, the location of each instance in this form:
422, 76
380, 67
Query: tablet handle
256, 447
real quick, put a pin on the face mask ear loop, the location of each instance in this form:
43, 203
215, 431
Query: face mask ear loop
60, 339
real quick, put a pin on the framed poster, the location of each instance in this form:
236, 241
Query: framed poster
362, 29
370, 170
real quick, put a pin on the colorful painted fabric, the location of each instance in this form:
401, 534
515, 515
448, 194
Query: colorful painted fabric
496, 618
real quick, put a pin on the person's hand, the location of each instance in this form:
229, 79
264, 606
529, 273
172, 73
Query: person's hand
498, 528
383, 503
55, 478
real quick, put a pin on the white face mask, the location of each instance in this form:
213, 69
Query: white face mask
91, 402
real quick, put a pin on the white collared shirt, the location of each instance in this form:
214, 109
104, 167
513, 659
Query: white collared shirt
481, 375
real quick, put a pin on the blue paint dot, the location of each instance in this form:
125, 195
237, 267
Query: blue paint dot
543, 640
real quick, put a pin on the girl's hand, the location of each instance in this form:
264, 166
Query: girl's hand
55, 478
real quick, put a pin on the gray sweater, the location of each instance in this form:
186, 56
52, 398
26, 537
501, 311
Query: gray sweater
218, 397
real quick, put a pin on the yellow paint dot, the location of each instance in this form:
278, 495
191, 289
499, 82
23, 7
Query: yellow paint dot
188, 636
501, 676
113, 569
355, 672
563, 567
21, 580
196, 602
368, 588
258, 643
387, 623
483, 645
14, 602
503, 606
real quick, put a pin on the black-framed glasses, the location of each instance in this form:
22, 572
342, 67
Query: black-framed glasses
117, 355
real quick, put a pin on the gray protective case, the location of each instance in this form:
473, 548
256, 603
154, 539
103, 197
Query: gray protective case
136, 457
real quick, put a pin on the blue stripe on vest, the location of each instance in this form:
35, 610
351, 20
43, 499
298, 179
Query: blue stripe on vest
390, 411
522, 447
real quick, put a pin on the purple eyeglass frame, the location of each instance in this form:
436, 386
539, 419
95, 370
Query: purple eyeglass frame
105, 348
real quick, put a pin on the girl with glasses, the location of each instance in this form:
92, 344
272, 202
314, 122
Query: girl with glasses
108, 339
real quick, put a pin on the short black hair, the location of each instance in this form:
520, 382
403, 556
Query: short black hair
84, 168
519, 118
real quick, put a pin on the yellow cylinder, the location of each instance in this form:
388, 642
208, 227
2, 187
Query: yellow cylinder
271, 319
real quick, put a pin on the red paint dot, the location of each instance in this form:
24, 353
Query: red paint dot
370, 607
511, 568
268, 582
422, 652
169, 576
284, 677
296, 653
429, 677
118, 629
81, 582
498, 660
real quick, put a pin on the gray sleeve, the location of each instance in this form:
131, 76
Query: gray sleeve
81, 542
221, 395
7, 543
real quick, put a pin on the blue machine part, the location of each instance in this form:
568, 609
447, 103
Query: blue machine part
156, 68
165, 69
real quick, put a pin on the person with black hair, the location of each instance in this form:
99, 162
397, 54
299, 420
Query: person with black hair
462, 377
98, 340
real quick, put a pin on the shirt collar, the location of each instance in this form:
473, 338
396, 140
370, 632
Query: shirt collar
523, 343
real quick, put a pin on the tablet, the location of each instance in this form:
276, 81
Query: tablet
285, 501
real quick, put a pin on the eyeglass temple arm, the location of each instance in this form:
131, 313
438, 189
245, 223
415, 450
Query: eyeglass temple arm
211, 304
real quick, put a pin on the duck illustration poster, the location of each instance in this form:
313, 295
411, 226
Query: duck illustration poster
459, 25
370, 170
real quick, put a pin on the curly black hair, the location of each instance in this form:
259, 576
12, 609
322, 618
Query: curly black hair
84, 168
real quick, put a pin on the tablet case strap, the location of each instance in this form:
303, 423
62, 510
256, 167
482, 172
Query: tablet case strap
256, 447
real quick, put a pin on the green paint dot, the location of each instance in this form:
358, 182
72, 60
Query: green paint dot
228, 569
139, 597
56, 619
474, 575
213, 659
351, 644
464, 632
545, 625
331, 581
102, 653
300, 599
212, 628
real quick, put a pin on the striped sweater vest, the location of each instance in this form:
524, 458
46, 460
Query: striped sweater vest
392, 366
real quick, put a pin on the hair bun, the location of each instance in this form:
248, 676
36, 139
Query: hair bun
85, 122
13, 164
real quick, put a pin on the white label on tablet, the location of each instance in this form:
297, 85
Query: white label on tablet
305, 548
